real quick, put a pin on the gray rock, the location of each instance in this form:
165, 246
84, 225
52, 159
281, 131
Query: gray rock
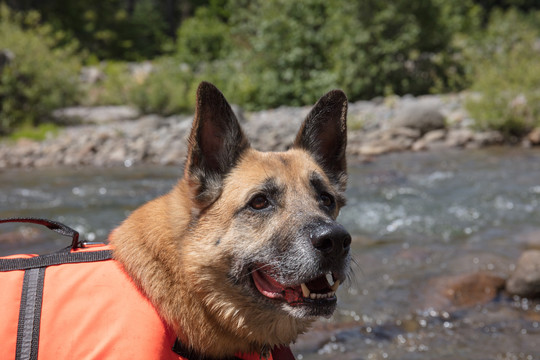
274, 129
424, 116
487, 138
534, 136
525, 280
432, 139
95, 115
459, 137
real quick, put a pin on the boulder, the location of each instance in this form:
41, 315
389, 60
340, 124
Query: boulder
534, 136
487, 138
459, 137
525, 280
424, 116
452, 293
430, 140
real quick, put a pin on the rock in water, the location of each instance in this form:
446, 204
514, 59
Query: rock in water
525, 280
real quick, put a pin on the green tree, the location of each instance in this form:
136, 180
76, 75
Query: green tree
506, 73
203, 38
284, 49
110, 29
39, 75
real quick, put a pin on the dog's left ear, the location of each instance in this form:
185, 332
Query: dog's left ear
324, 135
216, 143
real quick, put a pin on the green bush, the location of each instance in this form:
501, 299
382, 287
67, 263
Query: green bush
37, 133
37, 76
290, 52
168, 89
282, 49
506, 74
111, 29
203, 38
114, 88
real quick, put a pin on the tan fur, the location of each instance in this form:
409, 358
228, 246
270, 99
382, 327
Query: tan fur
178, 268
180, 254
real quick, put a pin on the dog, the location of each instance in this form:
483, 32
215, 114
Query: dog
245, 252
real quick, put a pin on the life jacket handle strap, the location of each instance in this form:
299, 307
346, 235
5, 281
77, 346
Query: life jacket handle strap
52, 225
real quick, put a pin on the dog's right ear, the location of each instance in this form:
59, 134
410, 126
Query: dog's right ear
216, 143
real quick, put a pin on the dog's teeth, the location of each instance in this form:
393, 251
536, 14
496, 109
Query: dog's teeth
305, 290
313, 296
330, 279
335, 286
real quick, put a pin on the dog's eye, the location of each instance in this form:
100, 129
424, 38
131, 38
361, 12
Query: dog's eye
259, 202
326, 200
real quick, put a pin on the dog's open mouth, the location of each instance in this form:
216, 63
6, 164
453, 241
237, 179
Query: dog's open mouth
319, 290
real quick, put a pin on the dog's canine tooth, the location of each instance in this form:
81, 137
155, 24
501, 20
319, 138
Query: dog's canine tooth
335, 286
305, 290
330, 279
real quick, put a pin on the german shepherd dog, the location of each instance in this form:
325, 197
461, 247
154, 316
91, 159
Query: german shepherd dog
244, 253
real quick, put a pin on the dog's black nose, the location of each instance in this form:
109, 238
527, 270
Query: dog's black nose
331, 239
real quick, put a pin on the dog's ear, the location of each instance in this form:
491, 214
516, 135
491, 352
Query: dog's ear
324, 135
216, 143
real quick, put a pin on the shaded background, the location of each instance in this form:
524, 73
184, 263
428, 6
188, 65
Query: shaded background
267, 53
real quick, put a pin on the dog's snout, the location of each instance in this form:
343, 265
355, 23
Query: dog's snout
331, 239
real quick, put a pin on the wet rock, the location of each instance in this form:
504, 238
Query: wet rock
451, 293
459, 137
534, 136
525, 280
389, 140
434, 138
423, 116
487, 138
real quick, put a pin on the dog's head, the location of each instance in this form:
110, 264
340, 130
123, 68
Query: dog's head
263, 240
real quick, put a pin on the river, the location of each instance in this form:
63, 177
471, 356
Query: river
415, 218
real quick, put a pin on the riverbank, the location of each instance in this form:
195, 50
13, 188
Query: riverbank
120, 135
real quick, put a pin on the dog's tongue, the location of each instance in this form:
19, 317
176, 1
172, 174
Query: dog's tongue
271, 288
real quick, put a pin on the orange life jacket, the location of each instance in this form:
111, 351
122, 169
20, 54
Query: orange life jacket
81, 304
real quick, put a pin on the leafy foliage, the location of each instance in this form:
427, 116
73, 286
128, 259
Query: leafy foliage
203, 38
37, 75
507, 73
266, 53
168, 89
295, 51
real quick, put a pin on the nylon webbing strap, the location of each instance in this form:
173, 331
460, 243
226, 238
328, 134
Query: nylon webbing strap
54, 259
30, 315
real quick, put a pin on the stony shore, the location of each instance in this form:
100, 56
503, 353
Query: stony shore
120, 135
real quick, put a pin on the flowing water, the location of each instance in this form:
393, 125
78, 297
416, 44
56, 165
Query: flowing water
415, 218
